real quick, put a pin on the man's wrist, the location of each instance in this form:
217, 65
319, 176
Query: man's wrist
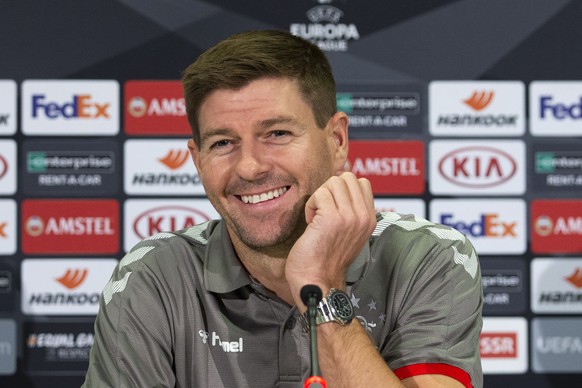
334, 307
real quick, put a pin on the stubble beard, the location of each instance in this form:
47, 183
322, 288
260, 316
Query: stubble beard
277, 242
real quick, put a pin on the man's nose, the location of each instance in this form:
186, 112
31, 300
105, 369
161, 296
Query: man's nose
252, 162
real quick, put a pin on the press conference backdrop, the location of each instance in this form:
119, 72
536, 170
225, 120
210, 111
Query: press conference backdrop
466, 112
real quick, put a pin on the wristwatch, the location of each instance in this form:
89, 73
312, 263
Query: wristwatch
335, 307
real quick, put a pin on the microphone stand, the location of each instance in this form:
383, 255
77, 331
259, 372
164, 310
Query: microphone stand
311, 296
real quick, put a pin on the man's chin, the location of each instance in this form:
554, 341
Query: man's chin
267, 239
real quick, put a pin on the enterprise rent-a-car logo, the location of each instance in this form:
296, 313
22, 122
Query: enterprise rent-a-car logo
70, 167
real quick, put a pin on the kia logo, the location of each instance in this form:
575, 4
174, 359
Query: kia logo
477, 167
3, 166
167, 218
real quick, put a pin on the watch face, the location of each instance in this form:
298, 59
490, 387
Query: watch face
342, 305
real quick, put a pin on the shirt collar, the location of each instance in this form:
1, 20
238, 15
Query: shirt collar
223, 271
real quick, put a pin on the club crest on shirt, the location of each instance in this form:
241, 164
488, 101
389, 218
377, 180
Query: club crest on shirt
367, 313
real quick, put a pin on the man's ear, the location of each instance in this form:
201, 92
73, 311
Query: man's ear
338, 127
195, 154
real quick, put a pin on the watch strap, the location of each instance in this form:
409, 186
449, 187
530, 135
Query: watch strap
324, 313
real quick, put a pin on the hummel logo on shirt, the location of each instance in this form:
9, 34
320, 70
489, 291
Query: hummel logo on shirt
227, 347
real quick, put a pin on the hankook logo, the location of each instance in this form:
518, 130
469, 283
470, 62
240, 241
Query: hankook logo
477, 108
73, 278
477, 167
479, 100
175, 159
576, 278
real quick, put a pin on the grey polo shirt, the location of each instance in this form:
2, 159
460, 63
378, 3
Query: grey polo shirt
181, 311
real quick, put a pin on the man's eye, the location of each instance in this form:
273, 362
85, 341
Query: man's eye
220, 144
279, 133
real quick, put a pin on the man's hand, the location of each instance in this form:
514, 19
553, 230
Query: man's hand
340, 218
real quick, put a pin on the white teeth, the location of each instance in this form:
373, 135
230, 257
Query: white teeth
257, 198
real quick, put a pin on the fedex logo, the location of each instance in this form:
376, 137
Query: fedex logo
494, 226
488, 225
7, 227
8, 107
556, 108
70, 107
81, 106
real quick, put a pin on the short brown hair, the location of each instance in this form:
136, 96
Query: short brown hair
236, 61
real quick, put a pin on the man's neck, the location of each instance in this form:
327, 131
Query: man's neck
268, 269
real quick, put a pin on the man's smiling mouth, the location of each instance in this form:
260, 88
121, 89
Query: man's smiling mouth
257, 198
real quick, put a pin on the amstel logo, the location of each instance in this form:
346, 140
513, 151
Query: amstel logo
70, 226
544, 225
155, 108
137, 106
34, 226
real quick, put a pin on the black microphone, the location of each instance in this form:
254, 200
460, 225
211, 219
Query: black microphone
311, 296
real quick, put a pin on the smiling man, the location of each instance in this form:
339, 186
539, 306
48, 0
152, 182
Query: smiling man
218, 304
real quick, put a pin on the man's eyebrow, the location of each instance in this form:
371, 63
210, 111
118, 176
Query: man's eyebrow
268, 123
264, 124
214, 132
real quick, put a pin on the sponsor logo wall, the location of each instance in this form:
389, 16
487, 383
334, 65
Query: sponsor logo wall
75, 204
95, 160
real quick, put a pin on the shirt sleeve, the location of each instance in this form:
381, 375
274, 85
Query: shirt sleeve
439, 323
132, 344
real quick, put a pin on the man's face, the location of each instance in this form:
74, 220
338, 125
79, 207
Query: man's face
261, 155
